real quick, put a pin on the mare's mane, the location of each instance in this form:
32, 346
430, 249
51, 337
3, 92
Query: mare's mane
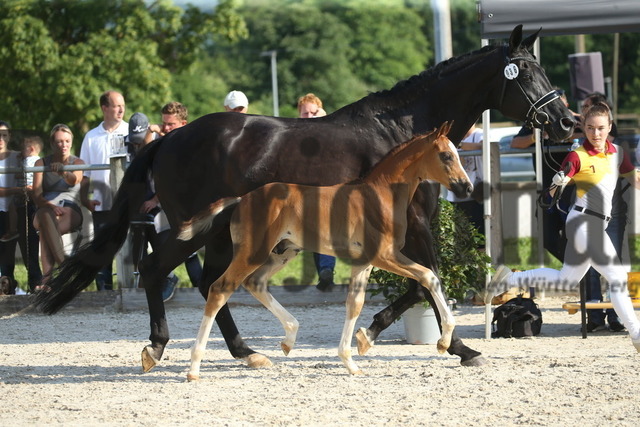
390, 156
435, 72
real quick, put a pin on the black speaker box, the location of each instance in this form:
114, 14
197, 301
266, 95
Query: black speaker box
586, 74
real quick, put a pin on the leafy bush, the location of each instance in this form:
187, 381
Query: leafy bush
462, 266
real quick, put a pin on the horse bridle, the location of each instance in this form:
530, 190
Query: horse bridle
535, 117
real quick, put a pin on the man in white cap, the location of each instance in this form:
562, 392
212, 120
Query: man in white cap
236, 101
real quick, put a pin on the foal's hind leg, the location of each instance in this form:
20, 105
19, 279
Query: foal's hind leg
257, 285
219, 293
354, 303
218, 256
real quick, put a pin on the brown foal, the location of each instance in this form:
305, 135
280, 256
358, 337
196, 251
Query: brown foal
364, 221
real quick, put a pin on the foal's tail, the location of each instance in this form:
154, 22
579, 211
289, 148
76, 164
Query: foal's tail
203, 221
79, 270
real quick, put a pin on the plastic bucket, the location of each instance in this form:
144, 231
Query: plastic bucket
420, 325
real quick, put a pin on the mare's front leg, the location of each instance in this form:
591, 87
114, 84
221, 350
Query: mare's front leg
257, 285
354, 303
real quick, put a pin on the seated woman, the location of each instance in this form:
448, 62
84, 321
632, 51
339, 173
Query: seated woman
56, 194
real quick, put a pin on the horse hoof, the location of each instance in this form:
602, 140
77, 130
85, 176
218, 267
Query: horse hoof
148, 361
475, 361
442, 347
192, 377
285, 348
258, 361
363, 341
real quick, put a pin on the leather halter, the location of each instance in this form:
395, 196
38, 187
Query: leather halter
535, 116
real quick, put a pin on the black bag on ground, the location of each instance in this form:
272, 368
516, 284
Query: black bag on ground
518, 317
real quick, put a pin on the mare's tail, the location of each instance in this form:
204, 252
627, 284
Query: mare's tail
79, 270
203, 221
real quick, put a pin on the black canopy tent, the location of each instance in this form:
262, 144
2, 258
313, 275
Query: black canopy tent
556, 17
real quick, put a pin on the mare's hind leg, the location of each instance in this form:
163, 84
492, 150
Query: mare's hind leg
354, 303
397, 263
257, 285
153, 271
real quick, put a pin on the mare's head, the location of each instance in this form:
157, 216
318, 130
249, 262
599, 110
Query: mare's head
527, 94
442, 163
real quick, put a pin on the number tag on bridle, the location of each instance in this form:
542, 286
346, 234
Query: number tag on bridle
511, 71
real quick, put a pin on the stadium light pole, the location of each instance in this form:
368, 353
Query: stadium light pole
274, 79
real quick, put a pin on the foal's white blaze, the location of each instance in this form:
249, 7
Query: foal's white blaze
455, 150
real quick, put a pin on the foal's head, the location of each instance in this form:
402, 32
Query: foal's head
443, 164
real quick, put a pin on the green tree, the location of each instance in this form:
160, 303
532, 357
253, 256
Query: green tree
313, 55
61, 55
340, 50
384, 52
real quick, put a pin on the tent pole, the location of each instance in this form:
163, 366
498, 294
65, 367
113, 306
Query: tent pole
486, 172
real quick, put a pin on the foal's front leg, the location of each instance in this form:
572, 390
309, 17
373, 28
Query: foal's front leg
354, 303
399, 264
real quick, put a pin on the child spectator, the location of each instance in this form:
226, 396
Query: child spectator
30, 153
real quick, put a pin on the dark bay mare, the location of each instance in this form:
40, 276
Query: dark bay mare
229, 154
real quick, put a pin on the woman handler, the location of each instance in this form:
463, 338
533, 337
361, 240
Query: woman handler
594, 168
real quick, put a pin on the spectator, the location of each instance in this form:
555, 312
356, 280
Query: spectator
96, 149
236, 101
174, 115
22, 211
56, 195
8, 189
31, 148
310, 106
472, 206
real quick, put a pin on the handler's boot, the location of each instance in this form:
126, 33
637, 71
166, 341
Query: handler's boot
499, 283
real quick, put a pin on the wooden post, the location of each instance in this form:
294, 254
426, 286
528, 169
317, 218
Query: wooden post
497, 249
124, 257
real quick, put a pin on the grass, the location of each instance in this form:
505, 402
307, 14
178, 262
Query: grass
519, 253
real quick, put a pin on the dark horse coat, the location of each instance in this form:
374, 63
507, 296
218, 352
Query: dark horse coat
229, 154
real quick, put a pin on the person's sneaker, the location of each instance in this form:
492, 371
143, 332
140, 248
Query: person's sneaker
169, 288
325, 279
636, 343
498, 280
7, 237
616, 327
595, 327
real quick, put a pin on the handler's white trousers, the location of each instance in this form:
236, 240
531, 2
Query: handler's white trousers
588, 246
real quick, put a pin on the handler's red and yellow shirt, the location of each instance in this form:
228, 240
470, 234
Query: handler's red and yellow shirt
595, 174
